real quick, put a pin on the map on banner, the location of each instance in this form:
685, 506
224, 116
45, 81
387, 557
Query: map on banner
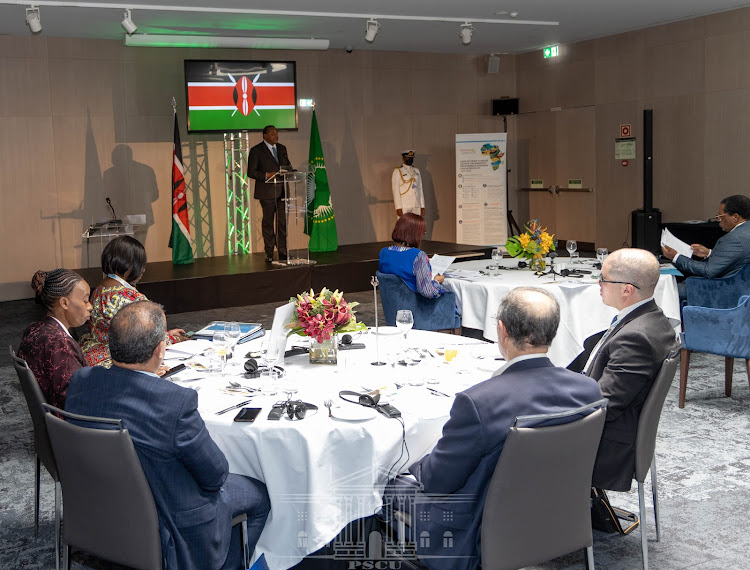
481, 208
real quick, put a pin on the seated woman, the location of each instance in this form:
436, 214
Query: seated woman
47, 346
123, 263
406, 260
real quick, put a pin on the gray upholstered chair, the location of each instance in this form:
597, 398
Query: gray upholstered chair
42, 447
109, 509
645, 444
538, 505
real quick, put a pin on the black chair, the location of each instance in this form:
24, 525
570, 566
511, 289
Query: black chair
109, 508
42, 447
645, 444
538, 505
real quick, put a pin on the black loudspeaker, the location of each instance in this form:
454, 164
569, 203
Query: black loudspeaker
505, 106
647, 230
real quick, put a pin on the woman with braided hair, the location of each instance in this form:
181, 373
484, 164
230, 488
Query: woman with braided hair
123, 264
51, 352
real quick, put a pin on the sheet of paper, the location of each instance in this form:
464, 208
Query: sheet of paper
668, 239
440, 263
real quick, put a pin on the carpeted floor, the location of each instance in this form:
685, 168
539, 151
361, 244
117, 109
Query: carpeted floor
702, 453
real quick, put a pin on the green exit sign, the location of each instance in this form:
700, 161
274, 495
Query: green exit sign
551, 51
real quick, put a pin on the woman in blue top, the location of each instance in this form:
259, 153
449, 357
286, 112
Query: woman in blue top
406, 260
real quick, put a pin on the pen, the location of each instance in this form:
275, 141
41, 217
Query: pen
437, 392
230, 408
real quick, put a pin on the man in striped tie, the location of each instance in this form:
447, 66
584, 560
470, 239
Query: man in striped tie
627, 359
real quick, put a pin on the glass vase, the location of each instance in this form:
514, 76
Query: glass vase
537, 264
325, 352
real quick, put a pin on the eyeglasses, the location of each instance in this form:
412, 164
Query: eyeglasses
603, 280
718, 217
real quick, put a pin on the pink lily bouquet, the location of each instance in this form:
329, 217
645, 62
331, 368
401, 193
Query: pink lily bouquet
324, 315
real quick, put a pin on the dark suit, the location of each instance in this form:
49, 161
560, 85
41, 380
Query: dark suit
461, 465
626, 366
260, 160
730, 254
187, 472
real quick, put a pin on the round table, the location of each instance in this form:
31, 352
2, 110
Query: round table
322, 472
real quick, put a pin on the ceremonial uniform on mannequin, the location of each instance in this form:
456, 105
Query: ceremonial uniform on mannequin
406, 183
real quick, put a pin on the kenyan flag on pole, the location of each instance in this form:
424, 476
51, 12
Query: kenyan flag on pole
320, 223
179, 240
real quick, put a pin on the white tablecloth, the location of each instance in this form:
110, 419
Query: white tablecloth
323, 473
582, 312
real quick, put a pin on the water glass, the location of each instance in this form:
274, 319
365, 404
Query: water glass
221, 347
404, 322
571, 245
269, 381
601, 254
497, 256
233, 332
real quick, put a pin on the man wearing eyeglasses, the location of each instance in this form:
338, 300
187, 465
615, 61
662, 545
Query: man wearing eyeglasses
627, 359
730, 254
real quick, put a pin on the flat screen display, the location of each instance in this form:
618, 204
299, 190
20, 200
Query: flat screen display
225, 96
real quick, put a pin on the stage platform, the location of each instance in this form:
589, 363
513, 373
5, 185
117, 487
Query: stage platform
237, 280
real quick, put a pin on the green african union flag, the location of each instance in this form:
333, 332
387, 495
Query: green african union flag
320, 223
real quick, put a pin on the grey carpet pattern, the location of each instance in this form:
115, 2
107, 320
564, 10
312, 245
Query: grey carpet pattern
703, 463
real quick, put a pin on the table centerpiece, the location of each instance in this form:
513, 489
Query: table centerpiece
321, 317
533, 244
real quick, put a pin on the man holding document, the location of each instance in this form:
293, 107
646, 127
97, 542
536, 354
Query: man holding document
730, 254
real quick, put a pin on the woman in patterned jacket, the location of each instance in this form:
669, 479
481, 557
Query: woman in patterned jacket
123, 264
47, 346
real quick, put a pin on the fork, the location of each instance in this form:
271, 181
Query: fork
328, 404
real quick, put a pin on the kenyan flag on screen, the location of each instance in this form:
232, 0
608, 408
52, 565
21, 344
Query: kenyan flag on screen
237, 99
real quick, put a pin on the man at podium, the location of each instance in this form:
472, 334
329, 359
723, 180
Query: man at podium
264, 162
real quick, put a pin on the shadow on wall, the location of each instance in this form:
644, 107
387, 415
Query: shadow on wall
351, 203
431, 210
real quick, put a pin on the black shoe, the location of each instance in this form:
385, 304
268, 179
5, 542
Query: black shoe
269, 258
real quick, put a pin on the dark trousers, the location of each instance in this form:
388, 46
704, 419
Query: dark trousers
274, 208
246, 495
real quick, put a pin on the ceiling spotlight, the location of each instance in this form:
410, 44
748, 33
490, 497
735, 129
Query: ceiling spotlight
372, 30
33, 20
466, 30
127, 23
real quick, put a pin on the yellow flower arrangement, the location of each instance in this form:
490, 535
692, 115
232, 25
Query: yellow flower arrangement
535, 242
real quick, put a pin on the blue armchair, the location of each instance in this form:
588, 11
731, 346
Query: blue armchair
429, 314
718, 293
723, 331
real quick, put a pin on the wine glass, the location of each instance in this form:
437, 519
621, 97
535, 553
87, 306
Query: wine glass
233, 332
601, 254
404, 322
221, 347
497, 255
571, 245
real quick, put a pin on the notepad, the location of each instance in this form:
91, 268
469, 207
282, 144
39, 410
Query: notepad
247, 330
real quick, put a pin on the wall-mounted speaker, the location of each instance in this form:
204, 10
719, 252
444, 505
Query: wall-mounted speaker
493, 64
508, 106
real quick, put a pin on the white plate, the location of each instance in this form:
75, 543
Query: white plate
384, 331
353, 412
